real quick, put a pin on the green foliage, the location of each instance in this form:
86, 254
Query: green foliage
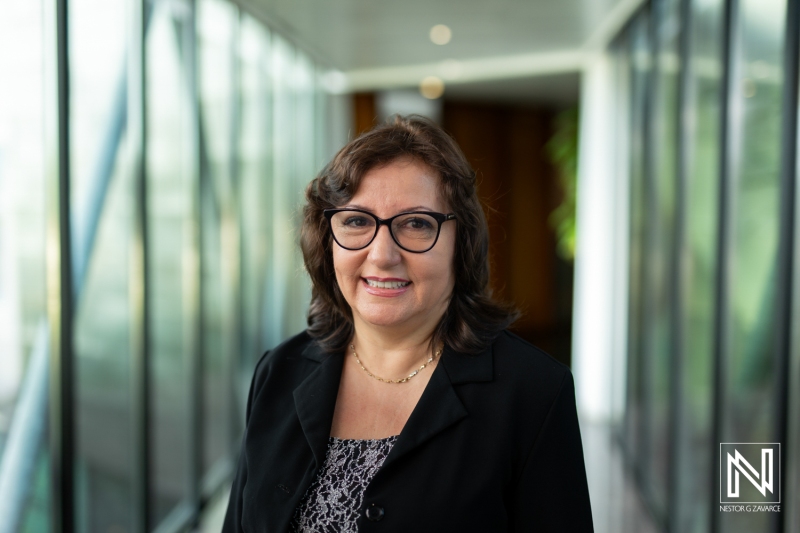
562, 151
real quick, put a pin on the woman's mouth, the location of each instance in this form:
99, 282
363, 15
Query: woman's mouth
386, 284
387, 287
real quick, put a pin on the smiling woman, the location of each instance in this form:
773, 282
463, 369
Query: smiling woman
383, 284
406, 401
410, 165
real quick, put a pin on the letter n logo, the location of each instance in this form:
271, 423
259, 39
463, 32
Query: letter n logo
756, 463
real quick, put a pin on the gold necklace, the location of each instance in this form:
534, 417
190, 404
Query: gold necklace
402, 380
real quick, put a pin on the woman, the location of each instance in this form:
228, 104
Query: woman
406, 406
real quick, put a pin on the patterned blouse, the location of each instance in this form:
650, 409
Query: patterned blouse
333, 501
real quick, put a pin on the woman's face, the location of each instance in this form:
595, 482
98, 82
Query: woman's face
427, 278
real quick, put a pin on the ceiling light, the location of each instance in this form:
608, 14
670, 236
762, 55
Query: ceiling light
431, 87
441, 34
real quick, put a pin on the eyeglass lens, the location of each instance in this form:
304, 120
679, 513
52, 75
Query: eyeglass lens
415, 232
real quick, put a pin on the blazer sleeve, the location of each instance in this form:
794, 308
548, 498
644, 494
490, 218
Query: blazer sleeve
552, 493
233, 516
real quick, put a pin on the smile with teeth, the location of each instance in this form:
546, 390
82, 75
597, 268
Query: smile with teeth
386, 284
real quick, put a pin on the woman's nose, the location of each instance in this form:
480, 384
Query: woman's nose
383, 250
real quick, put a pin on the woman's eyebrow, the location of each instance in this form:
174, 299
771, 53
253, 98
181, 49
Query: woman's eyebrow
403, 210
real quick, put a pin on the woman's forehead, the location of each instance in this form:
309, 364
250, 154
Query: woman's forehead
403, 185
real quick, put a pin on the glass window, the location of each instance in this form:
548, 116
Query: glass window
702, 145
24, 483
239, 163
215, 21
749, 410
283, 197
660, 236
256, 181
303, 171
102, 225
171, 175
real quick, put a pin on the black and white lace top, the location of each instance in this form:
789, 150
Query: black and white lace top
332, 502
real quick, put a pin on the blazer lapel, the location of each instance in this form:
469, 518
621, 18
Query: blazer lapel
315, 399
439, 406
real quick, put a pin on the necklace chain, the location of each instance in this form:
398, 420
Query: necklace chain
401, 380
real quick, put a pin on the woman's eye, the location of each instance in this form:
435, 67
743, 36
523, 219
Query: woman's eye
356, 222
417, 223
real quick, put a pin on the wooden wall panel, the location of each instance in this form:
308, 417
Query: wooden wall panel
517, 185
365, 113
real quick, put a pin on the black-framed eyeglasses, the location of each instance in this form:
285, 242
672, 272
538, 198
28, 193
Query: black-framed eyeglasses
415, 231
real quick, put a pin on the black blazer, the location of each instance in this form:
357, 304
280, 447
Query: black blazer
492, 445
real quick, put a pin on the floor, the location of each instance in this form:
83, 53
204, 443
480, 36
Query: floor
616, 506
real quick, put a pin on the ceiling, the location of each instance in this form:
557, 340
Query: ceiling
552, 90
379, 44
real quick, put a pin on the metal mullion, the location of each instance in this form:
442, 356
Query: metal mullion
649, 253
679, 276
633, 348
636, 376
267, 168
728, 131
785, 266
235, 231
792, 476
139, 284
636, 379
60, 291
193, 267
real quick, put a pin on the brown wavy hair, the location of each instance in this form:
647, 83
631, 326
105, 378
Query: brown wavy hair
473, 318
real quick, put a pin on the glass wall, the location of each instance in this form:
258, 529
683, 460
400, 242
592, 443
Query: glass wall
712, 181
699, 168
659, 276
749, 411
23, 296
216, 26
101, 192
235, 125
171, 167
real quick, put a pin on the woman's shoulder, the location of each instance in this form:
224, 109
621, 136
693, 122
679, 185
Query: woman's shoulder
520, 368
290, 347
513, 351
286, 355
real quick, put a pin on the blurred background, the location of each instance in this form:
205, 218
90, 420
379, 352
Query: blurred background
638, 165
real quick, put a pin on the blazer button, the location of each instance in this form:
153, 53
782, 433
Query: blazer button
374, 512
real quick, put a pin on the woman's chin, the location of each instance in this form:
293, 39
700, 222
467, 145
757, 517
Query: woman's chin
384, 320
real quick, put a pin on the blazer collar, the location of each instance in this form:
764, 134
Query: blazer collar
315, 398
438, 408
315, 352
466, 368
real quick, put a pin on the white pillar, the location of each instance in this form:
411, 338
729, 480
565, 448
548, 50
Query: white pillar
601, 262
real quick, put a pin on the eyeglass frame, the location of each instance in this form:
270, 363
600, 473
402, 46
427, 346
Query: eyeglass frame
440, 218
